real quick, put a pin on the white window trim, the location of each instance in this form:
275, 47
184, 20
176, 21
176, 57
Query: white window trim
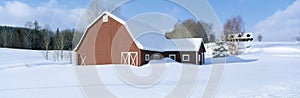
172, 55
197, 57
155, 57
188, 59
147, 57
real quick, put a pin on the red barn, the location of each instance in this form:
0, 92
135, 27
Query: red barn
108, 41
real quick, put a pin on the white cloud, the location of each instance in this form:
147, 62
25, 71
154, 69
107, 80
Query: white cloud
75, 13
283, 25
52, 3
18, 9
175, 11
17, 13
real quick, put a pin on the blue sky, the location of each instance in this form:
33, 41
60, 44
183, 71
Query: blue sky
161, 6
260, 16
252, 11
65, 4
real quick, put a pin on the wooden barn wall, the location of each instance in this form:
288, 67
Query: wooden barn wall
112, 39
144, 52
192, 57
166, 54
86, 47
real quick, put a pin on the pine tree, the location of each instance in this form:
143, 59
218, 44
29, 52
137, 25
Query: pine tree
219, 50
259, 37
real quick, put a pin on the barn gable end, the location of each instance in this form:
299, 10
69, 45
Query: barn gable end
104, 42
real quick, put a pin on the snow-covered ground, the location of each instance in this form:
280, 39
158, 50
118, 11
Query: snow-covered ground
266, 69
11, 58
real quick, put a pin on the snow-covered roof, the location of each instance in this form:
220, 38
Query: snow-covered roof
247, 35
157, 42
240, 36
153, 41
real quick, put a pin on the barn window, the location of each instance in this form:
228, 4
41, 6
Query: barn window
105, 18
147, 57
156, 57
172, 56
185, 57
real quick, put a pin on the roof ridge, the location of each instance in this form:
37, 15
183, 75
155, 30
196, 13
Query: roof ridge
115, 18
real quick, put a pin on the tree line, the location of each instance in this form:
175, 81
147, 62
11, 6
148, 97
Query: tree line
192, 29
35, 37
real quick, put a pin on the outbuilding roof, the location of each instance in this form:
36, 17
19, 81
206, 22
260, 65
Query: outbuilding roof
158, 42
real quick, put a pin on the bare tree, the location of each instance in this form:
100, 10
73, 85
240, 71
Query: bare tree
189, 29
235, 25
59, 44
27, 38
35, 36
212, 37
5, 37
56, 45
227, 29
62, 45
93, 10
68, 42
297, 38
26, 43
29, 24
208, 30
96, 7
259, 37
46, 40
238, 25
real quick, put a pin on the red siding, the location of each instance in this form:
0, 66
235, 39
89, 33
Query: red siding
104, 42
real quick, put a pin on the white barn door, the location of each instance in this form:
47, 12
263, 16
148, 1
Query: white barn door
129, 58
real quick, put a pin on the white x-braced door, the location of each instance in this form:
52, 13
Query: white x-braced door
81, 59
129, 58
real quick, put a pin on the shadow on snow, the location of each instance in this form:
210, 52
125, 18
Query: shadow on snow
229, 59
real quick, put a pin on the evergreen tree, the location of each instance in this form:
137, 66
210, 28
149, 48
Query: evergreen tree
259, 37
219, 50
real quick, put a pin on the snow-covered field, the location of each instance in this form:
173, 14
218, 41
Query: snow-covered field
265, 70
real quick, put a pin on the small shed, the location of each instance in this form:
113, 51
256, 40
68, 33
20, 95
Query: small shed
109, 41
